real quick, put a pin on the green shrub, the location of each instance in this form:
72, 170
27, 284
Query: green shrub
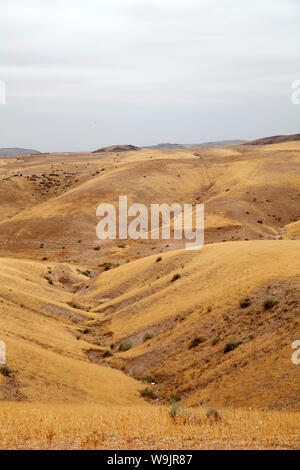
212, 413
158, 259
86, 273
107, 353
175, 277
196, 341
149, 393
270, 303
147, 336
174, 410
173, 398
250, 337
6, 371
74, 305
125, 346
215, 340
231, 345
147, 378
244, 303
106, 266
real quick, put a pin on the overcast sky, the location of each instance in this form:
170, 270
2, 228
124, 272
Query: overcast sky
81, 74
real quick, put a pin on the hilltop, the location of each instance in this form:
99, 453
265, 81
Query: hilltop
117, 148
276, 139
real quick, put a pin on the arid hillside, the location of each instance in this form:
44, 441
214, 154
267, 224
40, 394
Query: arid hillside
249, 193
132, 325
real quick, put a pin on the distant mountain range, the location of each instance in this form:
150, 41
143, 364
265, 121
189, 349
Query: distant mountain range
16, 152
217, 143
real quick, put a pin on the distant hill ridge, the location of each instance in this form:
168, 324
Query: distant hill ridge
217, 143
117, 148
276, 139
15, 152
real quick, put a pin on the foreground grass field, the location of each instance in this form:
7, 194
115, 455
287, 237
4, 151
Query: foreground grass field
47, 426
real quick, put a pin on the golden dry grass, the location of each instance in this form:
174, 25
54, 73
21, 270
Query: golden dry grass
40, 426
239, 186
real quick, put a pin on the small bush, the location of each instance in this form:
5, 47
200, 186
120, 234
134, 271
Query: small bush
106, 266
5, 370
86, 273
270, 303
147, 378
173, 398
125, 346
250, 337
149, 393
231, 345
74, 305
244, 303
174, 410
215, 340
212, 413
158, 259
185, 416
107, 353
175, 277
196, 341
147, 336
